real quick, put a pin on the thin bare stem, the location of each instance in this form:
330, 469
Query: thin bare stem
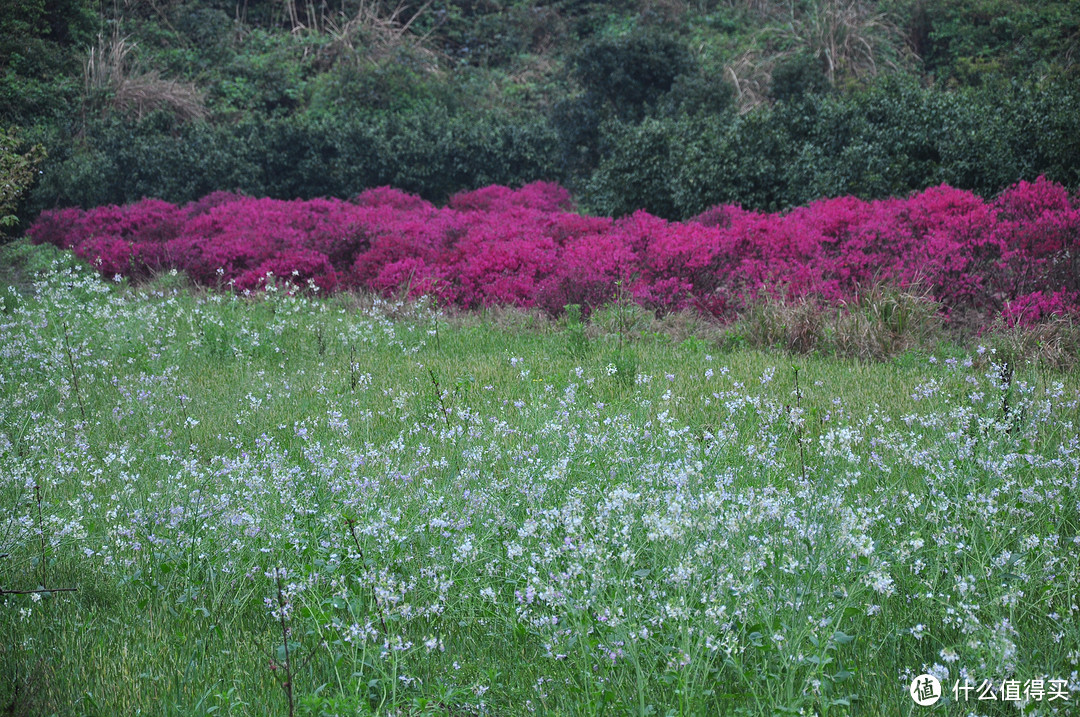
74, 373
438, 343
287, 685
41, 532
354, 370
44, 581
798, 406
439, 395
187, 423
360, 552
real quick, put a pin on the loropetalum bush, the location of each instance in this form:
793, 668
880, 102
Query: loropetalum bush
1014, 256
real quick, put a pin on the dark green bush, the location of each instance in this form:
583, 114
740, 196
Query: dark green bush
60, 21
19, 170
797, 76
40, 71
678, 167
697, 94
609, 99
647, 73
117, 161
629, 74
637, 172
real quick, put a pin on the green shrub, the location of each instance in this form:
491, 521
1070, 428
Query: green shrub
39, 69
972, 41
18, 171
626, 79
637, 171
797, 76
629, 74
678, 167
61, 21
888, 139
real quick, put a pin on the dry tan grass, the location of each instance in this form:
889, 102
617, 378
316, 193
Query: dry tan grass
885, 321
850, 38
690, 324
504, 318
371, 35
1053, 343
881, 322
793, 326
751, 75
112, 79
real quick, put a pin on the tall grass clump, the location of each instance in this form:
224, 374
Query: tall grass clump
879, 323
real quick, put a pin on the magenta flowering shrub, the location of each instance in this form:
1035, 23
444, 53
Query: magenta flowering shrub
541, 196
1032, 308
390, 197
590, 268
1014, 256
501, 260
301, 267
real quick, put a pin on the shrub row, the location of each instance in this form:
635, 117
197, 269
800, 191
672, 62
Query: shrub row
888, 139
433, 152
497, 246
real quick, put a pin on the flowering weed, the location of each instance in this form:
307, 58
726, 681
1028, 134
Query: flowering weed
498, 525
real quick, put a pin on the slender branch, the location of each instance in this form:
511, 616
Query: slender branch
439, 395
418, 13
438, 344
44, 584
187, 423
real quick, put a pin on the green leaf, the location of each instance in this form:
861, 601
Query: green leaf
842, 638
842, 676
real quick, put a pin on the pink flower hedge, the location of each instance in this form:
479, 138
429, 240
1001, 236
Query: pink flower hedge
1016, 255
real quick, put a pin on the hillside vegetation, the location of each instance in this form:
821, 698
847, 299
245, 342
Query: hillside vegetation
665, 105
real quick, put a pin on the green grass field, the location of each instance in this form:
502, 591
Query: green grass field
345, 506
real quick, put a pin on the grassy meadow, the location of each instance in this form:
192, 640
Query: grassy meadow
274, 505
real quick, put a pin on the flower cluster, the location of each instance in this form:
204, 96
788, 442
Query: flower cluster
1015, 255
